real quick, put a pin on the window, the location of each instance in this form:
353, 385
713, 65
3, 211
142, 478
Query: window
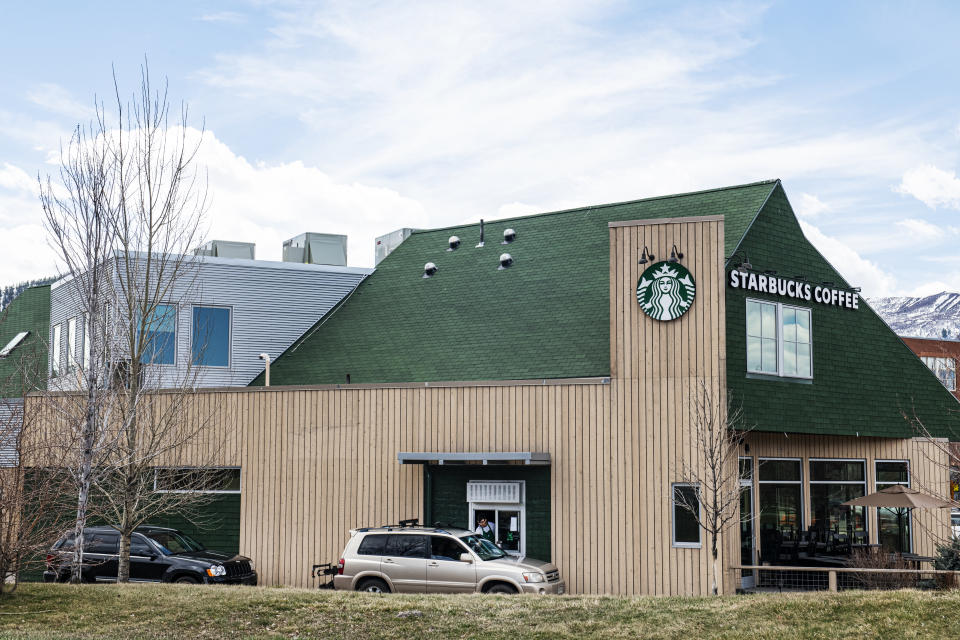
686, 501
17, 339
197, 480
373, 545
445, 548
893, 524
945, 369
86, 342
778, 340
210, 343
161, 336
139, 547
104, 543
833, 482
406, 546
780, 489
55, 351
71, 344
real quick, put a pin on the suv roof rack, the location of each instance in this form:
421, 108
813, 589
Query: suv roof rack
412, 522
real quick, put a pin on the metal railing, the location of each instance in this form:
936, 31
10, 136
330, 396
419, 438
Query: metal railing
783, 578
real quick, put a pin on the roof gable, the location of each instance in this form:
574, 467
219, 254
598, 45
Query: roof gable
547, 316
24, 369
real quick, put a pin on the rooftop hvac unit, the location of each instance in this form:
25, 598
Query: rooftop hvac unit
316, 248
226, 249
387, 243
495, 491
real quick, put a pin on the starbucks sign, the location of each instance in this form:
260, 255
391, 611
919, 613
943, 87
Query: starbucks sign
666, 290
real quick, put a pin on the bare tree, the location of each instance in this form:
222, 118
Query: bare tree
125, 231
717, 437
30, 497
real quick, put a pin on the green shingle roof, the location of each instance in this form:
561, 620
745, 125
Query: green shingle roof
545, 317
25, 368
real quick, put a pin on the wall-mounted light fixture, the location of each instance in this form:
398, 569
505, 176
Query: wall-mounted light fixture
675, 256
646, 256
742, 262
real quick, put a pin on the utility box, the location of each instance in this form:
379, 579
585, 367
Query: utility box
387, 243
316, 248
226, 249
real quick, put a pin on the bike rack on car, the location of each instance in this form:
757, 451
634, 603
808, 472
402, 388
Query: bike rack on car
321, 570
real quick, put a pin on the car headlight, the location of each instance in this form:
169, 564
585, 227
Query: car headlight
253, 567
216, 570
534, 577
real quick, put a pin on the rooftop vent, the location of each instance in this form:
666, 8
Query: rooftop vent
316, 248
509, 235
385, 244
454, 243
429, 269
480, 244
506, 260
226, 249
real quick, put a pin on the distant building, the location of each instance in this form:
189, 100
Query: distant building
942, 357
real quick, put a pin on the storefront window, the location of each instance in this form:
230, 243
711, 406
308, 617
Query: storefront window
893, 524
833, 482
780, 489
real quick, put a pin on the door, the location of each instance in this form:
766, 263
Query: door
445, 572
509, 523
746, 534
101, 552
405, 562
146, 563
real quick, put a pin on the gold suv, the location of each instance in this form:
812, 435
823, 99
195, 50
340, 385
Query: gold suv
412, 559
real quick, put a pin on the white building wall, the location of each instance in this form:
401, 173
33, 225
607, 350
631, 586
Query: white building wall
272, 304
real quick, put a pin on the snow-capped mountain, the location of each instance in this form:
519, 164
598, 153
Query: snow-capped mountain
936, 316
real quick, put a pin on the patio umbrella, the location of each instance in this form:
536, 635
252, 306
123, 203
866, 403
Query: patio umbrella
899, 496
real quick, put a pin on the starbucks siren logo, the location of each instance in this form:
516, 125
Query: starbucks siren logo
666, 290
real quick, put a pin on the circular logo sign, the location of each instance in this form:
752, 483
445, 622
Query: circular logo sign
666, 290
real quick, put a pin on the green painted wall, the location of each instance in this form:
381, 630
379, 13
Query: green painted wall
864, 376
219, 527
447, 499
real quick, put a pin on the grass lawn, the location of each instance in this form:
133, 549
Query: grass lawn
185, 611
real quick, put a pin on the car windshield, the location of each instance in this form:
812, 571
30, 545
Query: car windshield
174, 542
483, 547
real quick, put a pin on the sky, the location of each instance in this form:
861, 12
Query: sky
363, 117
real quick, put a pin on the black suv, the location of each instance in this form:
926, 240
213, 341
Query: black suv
157, 554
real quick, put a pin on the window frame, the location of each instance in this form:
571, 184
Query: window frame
673, 516
229, 308
865, 483
157, 470
72, 344
802, 512
56, 350
907, 484
949, 362
176, 335
779, 306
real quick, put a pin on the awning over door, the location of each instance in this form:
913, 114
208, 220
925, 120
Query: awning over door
470, 457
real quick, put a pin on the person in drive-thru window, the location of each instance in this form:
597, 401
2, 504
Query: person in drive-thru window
485, 529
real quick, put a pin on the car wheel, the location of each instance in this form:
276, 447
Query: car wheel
373, 585
186, 580
501, 589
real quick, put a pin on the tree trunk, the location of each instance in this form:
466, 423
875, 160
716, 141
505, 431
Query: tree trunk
123, 563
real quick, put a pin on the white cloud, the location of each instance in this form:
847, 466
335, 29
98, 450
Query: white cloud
56, 99
223, 16
270, 203
809, 206
932, 186
858, 271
